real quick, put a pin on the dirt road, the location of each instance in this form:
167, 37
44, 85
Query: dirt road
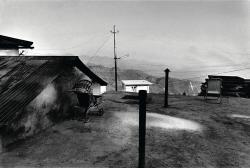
190, 133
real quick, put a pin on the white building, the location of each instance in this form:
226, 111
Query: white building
11, 46
99, 89
135, 85
99, 86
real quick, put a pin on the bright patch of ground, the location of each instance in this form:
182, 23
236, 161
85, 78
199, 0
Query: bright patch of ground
160, 121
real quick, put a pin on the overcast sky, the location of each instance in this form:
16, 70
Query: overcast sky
190, 37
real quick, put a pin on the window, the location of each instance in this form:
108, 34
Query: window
134, 88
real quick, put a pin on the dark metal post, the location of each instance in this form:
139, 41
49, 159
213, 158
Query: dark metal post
142, 127
166, 87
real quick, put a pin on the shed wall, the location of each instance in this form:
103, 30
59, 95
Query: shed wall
136, 88
103, 89
13, 52
50, 106
98, 89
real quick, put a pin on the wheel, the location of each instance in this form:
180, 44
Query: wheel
101, 112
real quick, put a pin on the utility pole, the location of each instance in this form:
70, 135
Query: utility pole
115, 56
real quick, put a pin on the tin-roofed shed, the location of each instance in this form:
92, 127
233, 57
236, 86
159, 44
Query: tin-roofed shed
34, 92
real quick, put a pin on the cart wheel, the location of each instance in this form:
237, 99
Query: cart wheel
101, 112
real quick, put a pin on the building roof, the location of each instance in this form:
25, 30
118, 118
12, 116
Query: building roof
247, 81
23, 78
136, 82
227, 78
14, 43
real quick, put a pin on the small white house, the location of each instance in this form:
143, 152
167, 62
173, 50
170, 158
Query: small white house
135, 85
98, 89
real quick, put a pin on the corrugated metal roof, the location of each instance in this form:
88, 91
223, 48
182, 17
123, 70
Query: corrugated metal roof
15, 71
24, 91
23, 78
136, 82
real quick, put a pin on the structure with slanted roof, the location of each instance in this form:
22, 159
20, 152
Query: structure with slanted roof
231, 85
34, 92
135, 85
10, 46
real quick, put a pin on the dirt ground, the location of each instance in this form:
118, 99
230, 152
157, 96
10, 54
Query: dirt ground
189, 133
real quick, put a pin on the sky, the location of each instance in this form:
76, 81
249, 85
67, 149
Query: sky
190, 37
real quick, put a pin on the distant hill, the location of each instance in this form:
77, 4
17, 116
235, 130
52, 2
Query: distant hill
127, 63
176, 86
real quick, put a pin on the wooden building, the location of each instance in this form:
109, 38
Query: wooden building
34, 93
231, 86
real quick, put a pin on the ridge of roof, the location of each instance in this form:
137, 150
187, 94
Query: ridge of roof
89, 73
72, 60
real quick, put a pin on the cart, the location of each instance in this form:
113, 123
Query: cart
89, 104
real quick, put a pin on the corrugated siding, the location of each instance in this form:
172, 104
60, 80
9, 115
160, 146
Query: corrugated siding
13, 101
17, 74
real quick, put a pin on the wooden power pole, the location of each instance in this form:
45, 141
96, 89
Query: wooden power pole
114, 31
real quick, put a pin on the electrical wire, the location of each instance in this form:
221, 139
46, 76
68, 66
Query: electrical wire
99, 48
187, 79
72, 47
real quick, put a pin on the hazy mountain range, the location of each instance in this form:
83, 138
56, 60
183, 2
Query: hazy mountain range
103, 66
150, 68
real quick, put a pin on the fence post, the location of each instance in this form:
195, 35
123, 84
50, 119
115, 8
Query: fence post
2, 147
166, 87
142, 127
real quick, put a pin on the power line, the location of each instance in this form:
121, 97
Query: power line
99, 48
236, 70
215, 67
197, 69
233, 70
65, 49
154, 70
